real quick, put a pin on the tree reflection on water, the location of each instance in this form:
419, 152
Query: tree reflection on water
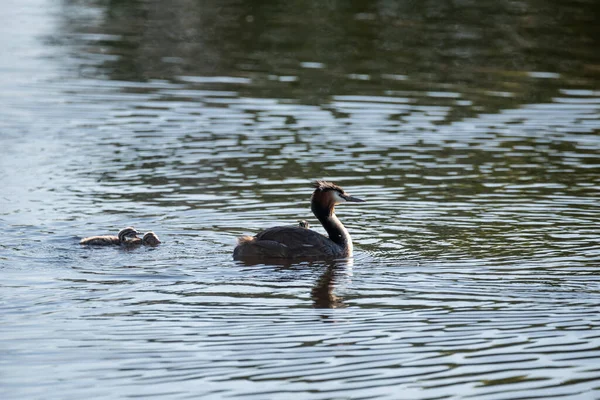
502, 50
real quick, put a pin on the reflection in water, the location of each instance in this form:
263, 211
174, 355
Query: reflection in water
323, 292
486, 55
335, 273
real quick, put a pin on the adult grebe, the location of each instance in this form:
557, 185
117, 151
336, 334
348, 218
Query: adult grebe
298, 242
125, 235
149, 239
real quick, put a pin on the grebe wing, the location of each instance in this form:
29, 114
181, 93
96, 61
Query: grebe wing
296, 240
267, 248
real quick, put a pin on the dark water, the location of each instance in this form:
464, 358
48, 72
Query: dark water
470, 127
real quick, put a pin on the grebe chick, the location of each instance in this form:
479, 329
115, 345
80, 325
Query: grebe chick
149, 239
298, 242
125, 235
304, 224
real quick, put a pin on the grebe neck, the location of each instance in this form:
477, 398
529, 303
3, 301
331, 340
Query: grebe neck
335, 229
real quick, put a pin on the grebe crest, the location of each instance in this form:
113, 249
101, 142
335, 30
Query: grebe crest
300, 242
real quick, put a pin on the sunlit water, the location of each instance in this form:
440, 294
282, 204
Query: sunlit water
474, 140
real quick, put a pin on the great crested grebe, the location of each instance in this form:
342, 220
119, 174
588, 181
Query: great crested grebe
125, 235
299, 242
149, 239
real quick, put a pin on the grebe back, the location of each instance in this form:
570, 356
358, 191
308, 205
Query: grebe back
124, 236
299, 242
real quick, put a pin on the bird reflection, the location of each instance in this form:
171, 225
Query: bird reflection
337, 273
323, 292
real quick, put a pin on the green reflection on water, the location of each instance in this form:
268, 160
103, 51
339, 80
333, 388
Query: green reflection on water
490, 54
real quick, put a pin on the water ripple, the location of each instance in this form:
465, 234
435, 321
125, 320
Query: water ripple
475, 273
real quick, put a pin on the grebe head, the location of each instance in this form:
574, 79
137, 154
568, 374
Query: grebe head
304, 224
127, 234
328, 195
150, 239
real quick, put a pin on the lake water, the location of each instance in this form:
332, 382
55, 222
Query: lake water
472, 129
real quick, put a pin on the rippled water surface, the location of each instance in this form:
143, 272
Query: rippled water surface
471, 129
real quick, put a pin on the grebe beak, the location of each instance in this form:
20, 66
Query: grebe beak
353, 199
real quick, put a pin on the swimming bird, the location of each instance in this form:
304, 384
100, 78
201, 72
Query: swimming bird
124, 236
297, 242
149, 239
